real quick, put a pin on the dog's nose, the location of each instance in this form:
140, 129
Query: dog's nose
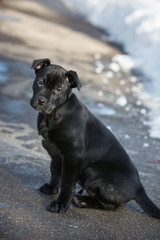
41, 100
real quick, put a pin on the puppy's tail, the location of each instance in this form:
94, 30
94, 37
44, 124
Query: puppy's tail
146, 204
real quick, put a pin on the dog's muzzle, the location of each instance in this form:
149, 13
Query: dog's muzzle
39, 102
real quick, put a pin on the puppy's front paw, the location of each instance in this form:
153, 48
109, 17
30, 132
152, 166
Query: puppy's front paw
58, 207
48, 189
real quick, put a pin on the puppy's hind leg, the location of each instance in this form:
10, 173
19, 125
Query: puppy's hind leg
107, 205
107, 197
100, 195
89, 202
93, 200
86, 202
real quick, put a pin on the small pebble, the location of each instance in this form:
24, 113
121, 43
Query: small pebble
74, 226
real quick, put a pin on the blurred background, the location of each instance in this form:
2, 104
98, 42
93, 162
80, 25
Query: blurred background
114, 46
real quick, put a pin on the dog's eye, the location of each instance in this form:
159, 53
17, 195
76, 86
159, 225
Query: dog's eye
58, 89
40, 82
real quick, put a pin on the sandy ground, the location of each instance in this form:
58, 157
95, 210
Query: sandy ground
30, 30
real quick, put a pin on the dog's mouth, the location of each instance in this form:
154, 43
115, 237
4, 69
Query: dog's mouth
43, 110
39, 109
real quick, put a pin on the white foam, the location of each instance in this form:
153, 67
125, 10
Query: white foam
125, 62
135, 24
153, 103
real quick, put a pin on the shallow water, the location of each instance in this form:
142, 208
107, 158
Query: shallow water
102, 109
137, 28
13, 106
3, 71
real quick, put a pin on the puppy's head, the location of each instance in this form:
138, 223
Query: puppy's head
52, 85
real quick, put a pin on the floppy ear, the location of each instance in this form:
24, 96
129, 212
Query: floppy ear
73, 79
40, 63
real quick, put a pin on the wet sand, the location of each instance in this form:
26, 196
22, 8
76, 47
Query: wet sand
30, 30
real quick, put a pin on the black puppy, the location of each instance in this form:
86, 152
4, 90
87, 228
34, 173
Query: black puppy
82, 149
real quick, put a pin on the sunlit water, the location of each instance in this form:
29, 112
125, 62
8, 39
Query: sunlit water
137, 27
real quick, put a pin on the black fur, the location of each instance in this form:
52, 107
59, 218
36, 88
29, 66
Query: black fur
82, 149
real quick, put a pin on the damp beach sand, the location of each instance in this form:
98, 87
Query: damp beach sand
29, 30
